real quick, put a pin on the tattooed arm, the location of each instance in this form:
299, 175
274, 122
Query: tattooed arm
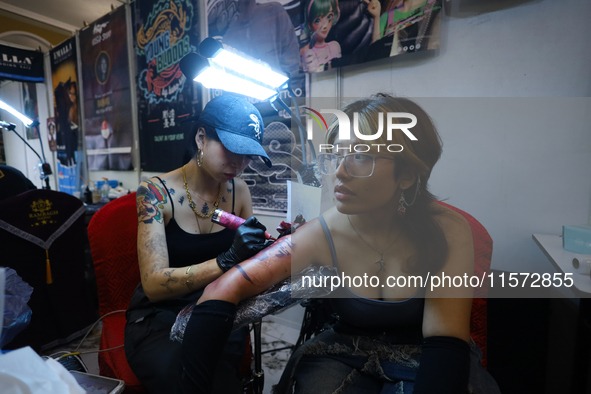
253, 276
159, 280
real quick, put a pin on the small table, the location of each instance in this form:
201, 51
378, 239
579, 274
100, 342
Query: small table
562, 260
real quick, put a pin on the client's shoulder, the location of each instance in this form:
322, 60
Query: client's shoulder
453, 223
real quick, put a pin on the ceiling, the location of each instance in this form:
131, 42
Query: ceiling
68, 15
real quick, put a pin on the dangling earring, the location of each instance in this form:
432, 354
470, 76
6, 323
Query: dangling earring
402, 204
200, 157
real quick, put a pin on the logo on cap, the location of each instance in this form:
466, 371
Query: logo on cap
257, 129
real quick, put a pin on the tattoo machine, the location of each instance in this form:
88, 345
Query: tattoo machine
227, 220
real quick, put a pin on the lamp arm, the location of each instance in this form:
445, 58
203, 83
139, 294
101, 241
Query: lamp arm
295, 104
8, 126
300, 126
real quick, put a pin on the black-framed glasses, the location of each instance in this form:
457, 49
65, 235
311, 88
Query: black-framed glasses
358, 165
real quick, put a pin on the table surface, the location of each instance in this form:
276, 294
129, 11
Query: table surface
551, 245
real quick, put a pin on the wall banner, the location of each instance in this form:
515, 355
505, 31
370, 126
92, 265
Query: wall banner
336, 33
107, 95
65, 132
164, 32
21, 65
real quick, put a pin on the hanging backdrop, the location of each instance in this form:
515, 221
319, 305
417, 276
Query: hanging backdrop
338, 33
66, 124
107, 94
164, 32
21, 65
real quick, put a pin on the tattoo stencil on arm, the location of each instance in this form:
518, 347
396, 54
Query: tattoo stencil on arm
170, 280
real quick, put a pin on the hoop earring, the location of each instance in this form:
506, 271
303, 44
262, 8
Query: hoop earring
403, 204
200, 157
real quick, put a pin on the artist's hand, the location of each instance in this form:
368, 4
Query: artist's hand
374, 8
248, 241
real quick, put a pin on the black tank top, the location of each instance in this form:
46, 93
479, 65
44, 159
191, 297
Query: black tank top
401, 321
184, 249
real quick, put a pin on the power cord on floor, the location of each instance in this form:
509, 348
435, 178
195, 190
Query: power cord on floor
75, 362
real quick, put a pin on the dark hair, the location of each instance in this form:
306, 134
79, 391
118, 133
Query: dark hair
192, 148
418, 157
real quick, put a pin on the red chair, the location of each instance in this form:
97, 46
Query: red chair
482, 256
112, 233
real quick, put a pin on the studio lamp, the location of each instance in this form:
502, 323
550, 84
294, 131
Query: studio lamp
219, 66
44, 168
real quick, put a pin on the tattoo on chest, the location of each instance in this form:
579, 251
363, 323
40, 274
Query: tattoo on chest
229, 190
205, 209
182, 200
172, 191
224, 199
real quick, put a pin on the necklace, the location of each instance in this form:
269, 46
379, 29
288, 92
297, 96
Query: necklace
381, 260
192, 205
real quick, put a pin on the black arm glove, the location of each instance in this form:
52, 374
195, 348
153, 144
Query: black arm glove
248, 241
444, 368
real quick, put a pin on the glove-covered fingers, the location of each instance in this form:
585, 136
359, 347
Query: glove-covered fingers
254, 222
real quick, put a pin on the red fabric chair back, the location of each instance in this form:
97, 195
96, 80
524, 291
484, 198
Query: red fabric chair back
112, 233
483, 245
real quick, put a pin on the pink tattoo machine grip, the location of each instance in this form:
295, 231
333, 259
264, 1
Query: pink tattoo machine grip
227, 220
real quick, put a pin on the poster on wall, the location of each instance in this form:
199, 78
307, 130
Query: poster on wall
164, 32
107, 94
21, 64
64, 137
338, 33
31, 109
51, 130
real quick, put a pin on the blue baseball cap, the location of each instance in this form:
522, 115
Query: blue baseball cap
239, 125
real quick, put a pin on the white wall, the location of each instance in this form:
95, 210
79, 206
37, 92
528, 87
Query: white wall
520, 166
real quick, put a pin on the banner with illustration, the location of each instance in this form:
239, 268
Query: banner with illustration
21, 65
65, 135
107, 94
164, 32
336, 33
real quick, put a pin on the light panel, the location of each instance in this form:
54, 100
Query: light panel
16, 113
215, 78
252, 69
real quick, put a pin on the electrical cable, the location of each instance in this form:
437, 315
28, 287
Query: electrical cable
295, 104
95, 323
4, 124
300, 127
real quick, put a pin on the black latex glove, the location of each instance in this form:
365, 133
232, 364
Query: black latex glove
248, 241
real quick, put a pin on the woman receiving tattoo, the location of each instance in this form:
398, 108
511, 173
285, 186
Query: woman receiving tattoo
405, 339
180, 250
